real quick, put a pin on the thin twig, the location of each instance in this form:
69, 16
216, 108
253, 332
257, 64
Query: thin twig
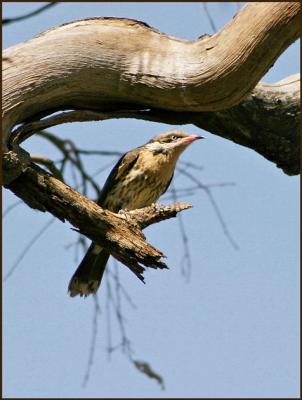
97, 310
80, 242
7, 21
27, 248
71, 154
196, 187
48, 163
186, 259
124, 291
222, 184
211, 21
125, 343
108, 316
99, 152
73, 170
11, 207
214, 204
26, 130
191, 165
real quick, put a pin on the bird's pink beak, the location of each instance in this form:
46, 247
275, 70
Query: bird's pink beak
191, 138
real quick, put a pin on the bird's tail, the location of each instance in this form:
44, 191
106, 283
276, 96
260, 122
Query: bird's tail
87, 278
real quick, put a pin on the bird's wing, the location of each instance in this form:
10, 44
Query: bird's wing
120, 169
168, 184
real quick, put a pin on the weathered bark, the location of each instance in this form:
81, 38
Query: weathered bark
108, 67
267, 121
119, 64
120, 233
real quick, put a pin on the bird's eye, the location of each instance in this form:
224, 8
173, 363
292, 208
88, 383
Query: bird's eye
173, 138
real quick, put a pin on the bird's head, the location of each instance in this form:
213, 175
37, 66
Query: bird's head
173, 142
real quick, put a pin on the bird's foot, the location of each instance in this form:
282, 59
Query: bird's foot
124, 214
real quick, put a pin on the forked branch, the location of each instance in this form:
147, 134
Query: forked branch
120, 233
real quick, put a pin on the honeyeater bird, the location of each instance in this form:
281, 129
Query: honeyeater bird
138, 179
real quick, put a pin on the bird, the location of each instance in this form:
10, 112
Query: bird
137, 180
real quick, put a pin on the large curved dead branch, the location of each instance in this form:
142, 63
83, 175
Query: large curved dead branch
267, 121
103, 67
109, 63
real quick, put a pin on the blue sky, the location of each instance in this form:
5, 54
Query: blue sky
231, 331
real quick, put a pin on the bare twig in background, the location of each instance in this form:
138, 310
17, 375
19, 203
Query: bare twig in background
97, 311
49, 164
214, 204
11, 207
108, 317
125, 343
80, 242
23, 253
207, 12
186, 262
223, 184
116, 293
71, 154
99, 152
191, 190
120, 288
7, 21
191, 165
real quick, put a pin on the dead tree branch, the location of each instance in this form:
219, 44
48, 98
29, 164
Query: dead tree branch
146, 216
206, 81
121, 234
267, 121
